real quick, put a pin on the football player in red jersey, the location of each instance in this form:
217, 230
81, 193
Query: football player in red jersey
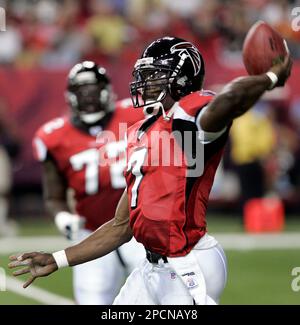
164, 206
69, 148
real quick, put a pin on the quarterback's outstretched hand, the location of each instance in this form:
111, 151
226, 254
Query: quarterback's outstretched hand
37, 264
283, 70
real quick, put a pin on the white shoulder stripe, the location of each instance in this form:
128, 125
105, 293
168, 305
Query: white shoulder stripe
204, 136
41, 149
182, 115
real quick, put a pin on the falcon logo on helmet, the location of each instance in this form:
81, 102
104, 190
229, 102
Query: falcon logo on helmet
189, 50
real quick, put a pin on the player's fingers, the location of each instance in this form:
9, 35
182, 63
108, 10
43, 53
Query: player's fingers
17, 263
13, 257
287, 69
28, 282
286, 61
286, 47
290, 65
22, 271
26, 255
20, 257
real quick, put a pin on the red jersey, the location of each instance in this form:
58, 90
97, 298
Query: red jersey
92, 163
167, 199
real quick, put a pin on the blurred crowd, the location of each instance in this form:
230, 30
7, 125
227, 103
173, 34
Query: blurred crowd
263, 155
53, 34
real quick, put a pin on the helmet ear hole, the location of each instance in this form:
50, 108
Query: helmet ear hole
182, 81
180, 87
174, 91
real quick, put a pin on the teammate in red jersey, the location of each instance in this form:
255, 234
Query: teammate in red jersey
85, 152
165, 203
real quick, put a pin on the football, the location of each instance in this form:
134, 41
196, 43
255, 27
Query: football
263, 47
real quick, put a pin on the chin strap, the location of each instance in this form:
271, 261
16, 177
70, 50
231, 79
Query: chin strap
154, 107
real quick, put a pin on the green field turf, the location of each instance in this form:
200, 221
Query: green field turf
9, 298
261, 277
255, 277
34, 227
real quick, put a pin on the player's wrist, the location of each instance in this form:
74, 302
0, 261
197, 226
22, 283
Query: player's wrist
61, 259
272, 76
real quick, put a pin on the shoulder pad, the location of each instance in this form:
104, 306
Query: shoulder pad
192, 103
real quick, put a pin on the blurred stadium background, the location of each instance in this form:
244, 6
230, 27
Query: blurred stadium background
44, 38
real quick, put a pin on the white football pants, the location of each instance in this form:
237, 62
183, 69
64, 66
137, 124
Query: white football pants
99, 281
158, 284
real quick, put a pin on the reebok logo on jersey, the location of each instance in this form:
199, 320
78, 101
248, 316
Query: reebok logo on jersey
190, 279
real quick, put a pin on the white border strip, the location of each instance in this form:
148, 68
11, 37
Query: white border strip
239, 242
231, 241
35, 293
9, 245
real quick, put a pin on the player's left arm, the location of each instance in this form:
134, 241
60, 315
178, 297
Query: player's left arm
104, 240
240, 95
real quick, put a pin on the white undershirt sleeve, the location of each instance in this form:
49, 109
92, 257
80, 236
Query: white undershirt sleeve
204, 136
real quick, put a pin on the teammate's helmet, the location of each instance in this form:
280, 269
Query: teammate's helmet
89, 92
169, 64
